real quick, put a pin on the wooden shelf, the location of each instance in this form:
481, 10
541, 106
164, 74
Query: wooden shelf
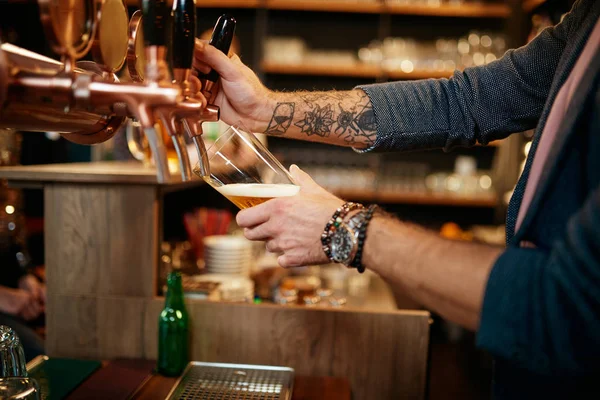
467, 10
329, 6
356, 71
445, 10
530, 5
228, 3
213, 3
433, 199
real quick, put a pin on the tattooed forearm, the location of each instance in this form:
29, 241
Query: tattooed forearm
342, 118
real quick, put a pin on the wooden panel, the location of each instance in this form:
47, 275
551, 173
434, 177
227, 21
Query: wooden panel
71, 326
101, 239
120, 322
382, 354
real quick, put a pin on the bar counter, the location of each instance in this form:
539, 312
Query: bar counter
103, 227
135, 379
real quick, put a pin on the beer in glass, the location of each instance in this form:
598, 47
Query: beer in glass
244, 171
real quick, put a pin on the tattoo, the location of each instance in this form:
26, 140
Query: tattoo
349, 115
281, 119
317, 121
345, 121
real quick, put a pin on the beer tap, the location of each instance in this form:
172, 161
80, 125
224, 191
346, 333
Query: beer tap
184, 30
221, 38
87, 106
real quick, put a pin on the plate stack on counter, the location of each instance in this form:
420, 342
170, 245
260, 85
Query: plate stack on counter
228, 261
229, 255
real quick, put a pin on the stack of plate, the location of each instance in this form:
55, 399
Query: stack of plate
231, 255
231, 287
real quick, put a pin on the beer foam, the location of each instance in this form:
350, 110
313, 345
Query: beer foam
258, 190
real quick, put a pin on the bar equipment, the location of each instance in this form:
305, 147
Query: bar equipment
86, 103
14, 381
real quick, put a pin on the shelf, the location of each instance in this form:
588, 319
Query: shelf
228, 3
355, 71
530, 5
213, 3
329, 6
433, 199
467, 10
361, 7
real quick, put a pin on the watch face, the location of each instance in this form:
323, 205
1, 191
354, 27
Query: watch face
342, 244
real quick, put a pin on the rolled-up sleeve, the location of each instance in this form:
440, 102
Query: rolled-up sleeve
477, 105
541, 308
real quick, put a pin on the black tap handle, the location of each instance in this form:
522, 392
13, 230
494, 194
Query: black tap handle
155, 14
222, 37
184, 33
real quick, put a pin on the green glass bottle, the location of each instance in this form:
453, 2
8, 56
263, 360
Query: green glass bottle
173, 330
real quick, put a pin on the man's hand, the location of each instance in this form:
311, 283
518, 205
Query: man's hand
19, 302
292, 226
30, 284
241, 95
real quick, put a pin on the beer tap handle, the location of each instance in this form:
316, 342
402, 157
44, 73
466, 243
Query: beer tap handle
155, 14
222, 37
184, 33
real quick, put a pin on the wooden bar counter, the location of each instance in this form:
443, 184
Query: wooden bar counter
103, 230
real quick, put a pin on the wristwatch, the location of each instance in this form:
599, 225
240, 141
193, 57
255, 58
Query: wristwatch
344, 241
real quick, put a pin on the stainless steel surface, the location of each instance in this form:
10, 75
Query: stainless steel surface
159, 153
216, 381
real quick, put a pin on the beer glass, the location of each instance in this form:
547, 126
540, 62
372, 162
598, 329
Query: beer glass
242, 169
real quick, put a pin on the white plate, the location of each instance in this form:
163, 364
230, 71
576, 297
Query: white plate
227, 242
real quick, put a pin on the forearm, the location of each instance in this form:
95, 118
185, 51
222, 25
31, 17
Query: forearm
339, 118
447, 277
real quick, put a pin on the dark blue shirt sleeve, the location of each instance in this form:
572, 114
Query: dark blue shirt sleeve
478, 105
541, 308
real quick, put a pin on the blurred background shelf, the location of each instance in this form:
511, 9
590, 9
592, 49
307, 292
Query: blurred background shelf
530, 5
357, 71
414, 198
330, 6
466, 10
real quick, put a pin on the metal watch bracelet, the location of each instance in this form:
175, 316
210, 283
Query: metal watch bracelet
334, 222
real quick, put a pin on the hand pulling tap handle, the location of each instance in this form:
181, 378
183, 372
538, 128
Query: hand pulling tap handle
222, 37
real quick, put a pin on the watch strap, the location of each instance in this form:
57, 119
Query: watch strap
334, 223
362, 237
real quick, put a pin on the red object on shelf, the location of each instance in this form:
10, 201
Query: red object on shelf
204, 222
